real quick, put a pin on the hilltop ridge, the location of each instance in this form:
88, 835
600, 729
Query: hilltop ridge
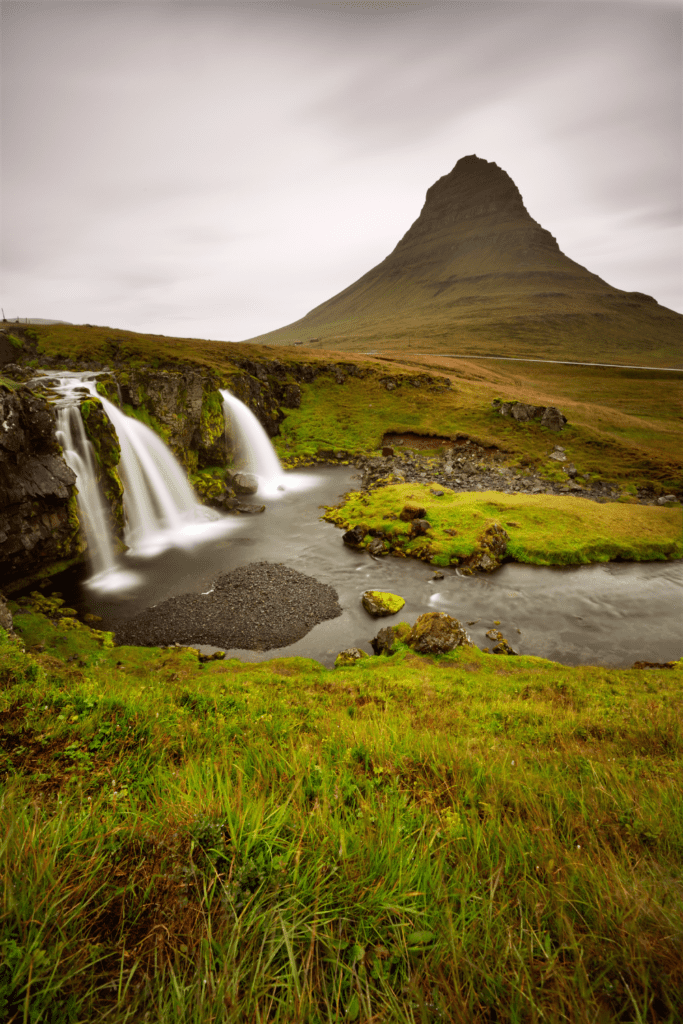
476, 274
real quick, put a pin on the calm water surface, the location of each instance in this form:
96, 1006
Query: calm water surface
608, 614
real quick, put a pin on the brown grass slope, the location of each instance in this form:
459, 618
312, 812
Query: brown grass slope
475, 274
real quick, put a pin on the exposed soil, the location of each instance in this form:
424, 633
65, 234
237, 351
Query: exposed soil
256, 607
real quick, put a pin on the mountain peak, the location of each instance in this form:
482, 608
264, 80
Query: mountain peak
476, 273
474, 187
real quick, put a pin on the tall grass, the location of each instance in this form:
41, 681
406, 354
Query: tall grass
464, 838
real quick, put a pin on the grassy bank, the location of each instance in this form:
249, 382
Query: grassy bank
464, 838
544, 529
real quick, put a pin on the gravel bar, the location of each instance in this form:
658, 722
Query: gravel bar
256, 607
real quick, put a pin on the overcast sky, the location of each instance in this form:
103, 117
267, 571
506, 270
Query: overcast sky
217, 169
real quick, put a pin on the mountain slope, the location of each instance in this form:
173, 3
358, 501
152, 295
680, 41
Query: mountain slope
476, 274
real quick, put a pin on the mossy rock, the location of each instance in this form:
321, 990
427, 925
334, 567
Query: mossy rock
380, 602
437, 633
349, 657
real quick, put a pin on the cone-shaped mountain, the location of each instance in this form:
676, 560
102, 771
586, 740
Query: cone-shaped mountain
476, 274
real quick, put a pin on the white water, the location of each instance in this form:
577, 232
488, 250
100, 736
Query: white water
160, 508
79, 457
255, 452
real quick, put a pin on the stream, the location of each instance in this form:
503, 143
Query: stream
610, 614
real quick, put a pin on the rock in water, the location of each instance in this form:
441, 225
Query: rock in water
354, 537
380, 602
244, 483
437, 633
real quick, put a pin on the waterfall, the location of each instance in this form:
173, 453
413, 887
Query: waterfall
160, 508
256, 453
79, 457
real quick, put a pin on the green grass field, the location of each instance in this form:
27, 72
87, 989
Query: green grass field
461, 838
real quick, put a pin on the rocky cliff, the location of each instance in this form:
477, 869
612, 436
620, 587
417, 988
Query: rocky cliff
39, 528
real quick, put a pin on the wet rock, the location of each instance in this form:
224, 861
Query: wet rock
438, 575
666, 499
384, 642
437, 633
412, 512
249, 510
502, 645
354, 537
349, 657
244, 483
491, 550
376, 547
380, 602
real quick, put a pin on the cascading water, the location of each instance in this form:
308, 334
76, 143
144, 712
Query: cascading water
256, 454
160, 508
79, 457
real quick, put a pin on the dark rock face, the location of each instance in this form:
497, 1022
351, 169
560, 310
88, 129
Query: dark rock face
38, 520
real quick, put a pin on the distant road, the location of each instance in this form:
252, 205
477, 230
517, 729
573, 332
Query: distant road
553, 362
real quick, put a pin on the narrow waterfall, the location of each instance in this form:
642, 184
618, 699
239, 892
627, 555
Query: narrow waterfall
79, 456
255, 452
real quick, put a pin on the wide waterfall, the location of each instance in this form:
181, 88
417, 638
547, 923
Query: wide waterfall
255, 452
160, 508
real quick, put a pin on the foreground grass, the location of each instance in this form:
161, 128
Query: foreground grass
465, 838
544, 529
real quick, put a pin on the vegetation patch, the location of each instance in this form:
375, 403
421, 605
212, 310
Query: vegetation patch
543, 529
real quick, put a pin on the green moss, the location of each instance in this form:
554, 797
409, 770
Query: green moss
15, 342
384, 602
11, 385
143, 416
543, 529
209, 483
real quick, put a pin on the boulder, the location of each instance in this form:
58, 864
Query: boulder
354, 536
349, 657
244, 483
386, 639
437, 633
384, 642
376, 547
380, 603
490, 551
